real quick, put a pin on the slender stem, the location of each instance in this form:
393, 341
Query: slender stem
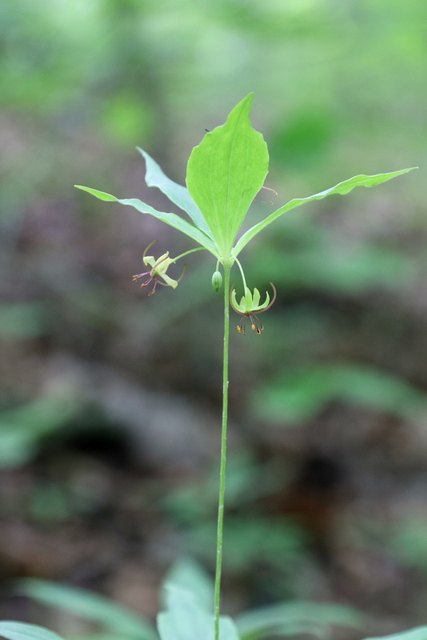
243, 276
223, 447
187, 252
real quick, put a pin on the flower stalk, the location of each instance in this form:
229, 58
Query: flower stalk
221, 499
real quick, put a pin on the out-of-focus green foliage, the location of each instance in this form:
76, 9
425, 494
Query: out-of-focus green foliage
27, 319
115, 69
409, 542
22, 631
419, 633
187, 595
297, 618
108, 615
300, 395
22, 430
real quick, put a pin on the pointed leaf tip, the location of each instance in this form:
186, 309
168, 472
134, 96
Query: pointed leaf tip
226, 171
341, 188
101, 195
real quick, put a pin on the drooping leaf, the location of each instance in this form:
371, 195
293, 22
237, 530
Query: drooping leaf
341, 188
22, 631
178, 194
89, 606
226, 171
170, 218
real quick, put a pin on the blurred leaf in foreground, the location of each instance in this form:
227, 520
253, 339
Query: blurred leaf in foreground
89, 606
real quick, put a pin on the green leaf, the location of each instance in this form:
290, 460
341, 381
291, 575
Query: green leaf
225, 172
89, 606
188, 574
23, 631
295, 618
170, 218
341, 188
228, 629
107, 635
419, 633
186, 620
178, 194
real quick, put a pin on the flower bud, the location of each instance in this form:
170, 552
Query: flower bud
217, 281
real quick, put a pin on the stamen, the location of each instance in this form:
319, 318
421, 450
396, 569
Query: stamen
140, 275
273, 191
145, 284
154, 288
261, 326
256, 323
242, 325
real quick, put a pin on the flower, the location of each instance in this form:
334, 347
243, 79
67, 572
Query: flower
249, 307
158, 270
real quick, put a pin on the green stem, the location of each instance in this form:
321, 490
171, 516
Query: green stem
187, 252
223, 447
243, 276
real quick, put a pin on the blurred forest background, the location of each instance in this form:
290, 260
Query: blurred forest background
110, 401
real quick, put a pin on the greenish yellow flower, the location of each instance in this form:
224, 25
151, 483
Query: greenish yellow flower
159, 266
249, 307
